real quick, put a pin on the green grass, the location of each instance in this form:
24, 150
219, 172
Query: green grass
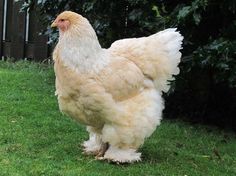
36, 139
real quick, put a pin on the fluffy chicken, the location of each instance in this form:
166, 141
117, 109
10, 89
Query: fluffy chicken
115, 92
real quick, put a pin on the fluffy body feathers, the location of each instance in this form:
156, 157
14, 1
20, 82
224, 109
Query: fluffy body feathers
116, 92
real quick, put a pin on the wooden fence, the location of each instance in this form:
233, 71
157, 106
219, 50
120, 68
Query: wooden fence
19, 32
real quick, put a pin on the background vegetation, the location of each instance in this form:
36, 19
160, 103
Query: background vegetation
205, 90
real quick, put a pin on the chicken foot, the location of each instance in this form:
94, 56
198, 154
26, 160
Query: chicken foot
102, 150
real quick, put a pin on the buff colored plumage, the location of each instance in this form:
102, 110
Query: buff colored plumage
116, 92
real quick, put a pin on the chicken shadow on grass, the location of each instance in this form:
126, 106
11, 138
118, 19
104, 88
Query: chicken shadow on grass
153, 155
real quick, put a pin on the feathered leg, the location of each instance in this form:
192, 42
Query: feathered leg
119, 155
128, 134
94, 146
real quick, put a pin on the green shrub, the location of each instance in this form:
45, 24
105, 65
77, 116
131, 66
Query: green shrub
205, 89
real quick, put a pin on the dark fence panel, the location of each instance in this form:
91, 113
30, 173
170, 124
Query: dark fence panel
37, 43
17, 31
21, 38
1, 24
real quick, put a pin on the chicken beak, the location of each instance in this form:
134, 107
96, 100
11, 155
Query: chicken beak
54, 24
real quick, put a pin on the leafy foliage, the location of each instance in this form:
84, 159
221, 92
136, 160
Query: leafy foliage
112, 21
207, 83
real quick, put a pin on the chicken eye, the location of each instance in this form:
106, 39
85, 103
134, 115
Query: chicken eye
62, 20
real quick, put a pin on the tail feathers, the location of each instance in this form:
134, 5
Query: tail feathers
169, 43
157, 55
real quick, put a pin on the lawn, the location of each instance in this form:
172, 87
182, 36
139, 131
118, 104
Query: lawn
36, 139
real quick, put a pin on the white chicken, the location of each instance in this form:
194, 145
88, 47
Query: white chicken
115, 92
